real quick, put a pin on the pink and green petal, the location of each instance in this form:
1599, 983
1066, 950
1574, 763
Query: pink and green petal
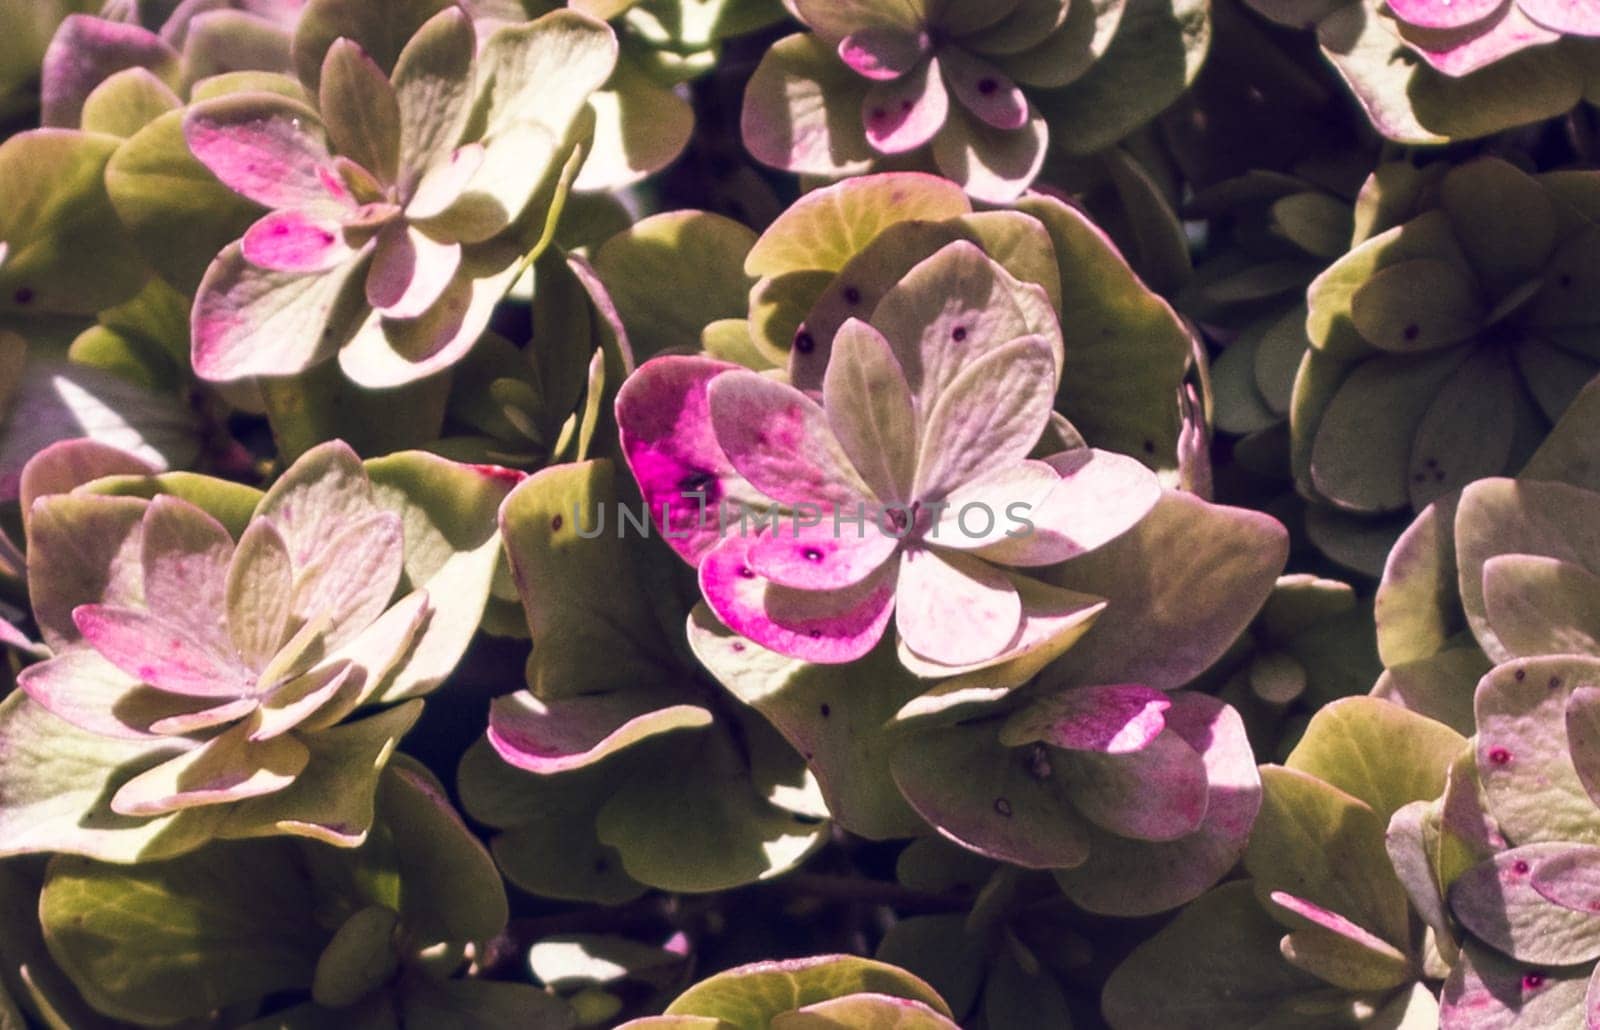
353, 578
189, 722
290, 705
883, 53
1496, 901
992, 165
989, 416
572, 733
828, 556
984, 91
869, 407
1538, 605
89, 692
410, 271
185, 555
225, 769
1100, 497
1157, 793
159, 653
835, 19
434, 87
269, 149
1570, 878
86, 51
664, 420
779, 439
259, 582
902, 114
1464, 51
828, 627
360, 110
314, 500
1115, 719
82, 549
953, 609
294, 241
802, 111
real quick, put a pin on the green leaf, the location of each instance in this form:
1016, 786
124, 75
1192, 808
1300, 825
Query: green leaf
1126, 349
66, 251
1216, 965
864, 1012
172, 940
1155, 53
358, 960
382, 27
833, 715
450, 889
548, 845
749, 997
452, 551
127, 102
673, 274
179, 215
1377, 752
1316, 842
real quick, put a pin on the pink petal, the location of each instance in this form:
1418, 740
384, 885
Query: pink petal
268, 149
992, 165
86, 51
1463, 51
158, 652
826, 626
184, 556
983, 90
1101, 495
981, 514
1571, 17
664, 421
826, 556
903, 114
883, 53
953, 609
779, 439
1116, 719
410, 271
1443, 14
89, 692
990, 416
1331, 921
293, 241
1157, 793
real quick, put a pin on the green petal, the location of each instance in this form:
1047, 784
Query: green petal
749, 997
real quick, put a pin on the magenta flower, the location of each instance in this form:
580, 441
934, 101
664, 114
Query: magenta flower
907, 492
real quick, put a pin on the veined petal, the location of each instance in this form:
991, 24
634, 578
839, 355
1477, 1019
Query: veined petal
259, 581
89, 692
1100, 496
903, 114
991, 415
293, 241
184, 556
869, 407
434, 85
984, 90
269, 149
410, 271
360, 109
159, 653
953, 609
354, 577
226, 768
828, 556
988, 510
825, 626
297, 700
779, 439
316, 498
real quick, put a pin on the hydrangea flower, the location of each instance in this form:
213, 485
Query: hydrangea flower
946, 77
254, 644
209, 645
1461, 36
928, 416
390, 235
